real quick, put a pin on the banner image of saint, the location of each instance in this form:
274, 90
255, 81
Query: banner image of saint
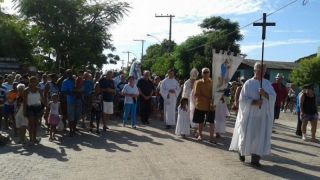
224, 66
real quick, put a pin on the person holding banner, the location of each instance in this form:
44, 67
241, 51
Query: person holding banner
203, 101
252, 132
170, 90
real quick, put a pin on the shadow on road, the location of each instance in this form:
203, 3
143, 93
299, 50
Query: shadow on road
41, 150
287, 173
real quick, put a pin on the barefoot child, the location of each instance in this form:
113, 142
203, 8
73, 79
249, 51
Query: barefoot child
183, 122
220, 116
54, 118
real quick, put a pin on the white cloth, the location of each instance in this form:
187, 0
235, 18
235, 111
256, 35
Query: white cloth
54, 108
221, 112
183, 122
127, 89
170, 99
107, 107
187, 92
20, 119
34, 99
252, 132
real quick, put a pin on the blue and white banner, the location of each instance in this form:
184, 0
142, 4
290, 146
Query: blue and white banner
224, 66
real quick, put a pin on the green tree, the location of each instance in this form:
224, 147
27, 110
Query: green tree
73, 33
163, 64
307, 72
14, 38
154, 52
218, 33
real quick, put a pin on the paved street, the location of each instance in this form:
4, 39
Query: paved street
150, 152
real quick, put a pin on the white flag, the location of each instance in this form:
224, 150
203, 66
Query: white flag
223, 68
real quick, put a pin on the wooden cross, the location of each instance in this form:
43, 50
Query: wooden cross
264, 24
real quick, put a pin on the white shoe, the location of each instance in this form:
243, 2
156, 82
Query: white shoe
304, 137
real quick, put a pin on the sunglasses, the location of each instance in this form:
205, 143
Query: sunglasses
206, 72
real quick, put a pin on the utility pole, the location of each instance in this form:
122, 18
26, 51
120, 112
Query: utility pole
170, 16
142, 43
128, 57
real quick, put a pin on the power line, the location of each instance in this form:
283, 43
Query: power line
250, 24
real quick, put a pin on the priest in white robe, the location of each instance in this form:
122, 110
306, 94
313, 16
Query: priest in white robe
253, 128
169, 91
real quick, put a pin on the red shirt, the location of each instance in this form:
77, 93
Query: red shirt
281, 92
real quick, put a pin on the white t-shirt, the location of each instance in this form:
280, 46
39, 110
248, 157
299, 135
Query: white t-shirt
127, 89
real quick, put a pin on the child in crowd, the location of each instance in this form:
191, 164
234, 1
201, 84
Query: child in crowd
54, 117
3, 91
21, 120
9, 108
96, 108
220, 117
183, 122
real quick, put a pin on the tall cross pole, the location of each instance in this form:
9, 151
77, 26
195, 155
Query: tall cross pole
264, 25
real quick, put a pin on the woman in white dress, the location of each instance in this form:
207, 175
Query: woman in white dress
183, 122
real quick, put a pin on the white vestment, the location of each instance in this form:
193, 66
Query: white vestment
170, 99
221, 111
253, 128
183, 122
187, 92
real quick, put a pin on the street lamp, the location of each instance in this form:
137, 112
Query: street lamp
142, 43
149, 35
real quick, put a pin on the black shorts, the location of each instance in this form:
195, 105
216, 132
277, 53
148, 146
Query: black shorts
201, 116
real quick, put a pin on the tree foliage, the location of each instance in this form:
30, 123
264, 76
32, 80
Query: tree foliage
196, 51
14, 38
74, 32
218, 33
307, 72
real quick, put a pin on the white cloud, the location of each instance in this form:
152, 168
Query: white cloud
251, 47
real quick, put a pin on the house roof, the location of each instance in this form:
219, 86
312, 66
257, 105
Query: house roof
272, 64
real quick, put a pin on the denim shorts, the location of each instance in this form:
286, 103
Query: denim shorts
310, 117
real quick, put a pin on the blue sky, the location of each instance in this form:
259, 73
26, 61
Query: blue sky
296, 35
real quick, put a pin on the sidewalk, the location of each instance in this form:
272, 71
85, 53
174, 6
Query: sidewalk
151, 152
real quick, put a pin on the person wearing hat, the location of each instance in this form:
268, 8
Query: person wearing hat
308, 112
281, 92
253, 128
188, 93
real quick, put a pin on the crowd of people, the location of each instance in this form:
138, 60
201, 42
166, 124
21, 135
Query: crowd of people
67, 101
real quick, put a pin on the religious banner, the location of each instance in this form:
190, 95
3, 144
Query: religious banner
224, 66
